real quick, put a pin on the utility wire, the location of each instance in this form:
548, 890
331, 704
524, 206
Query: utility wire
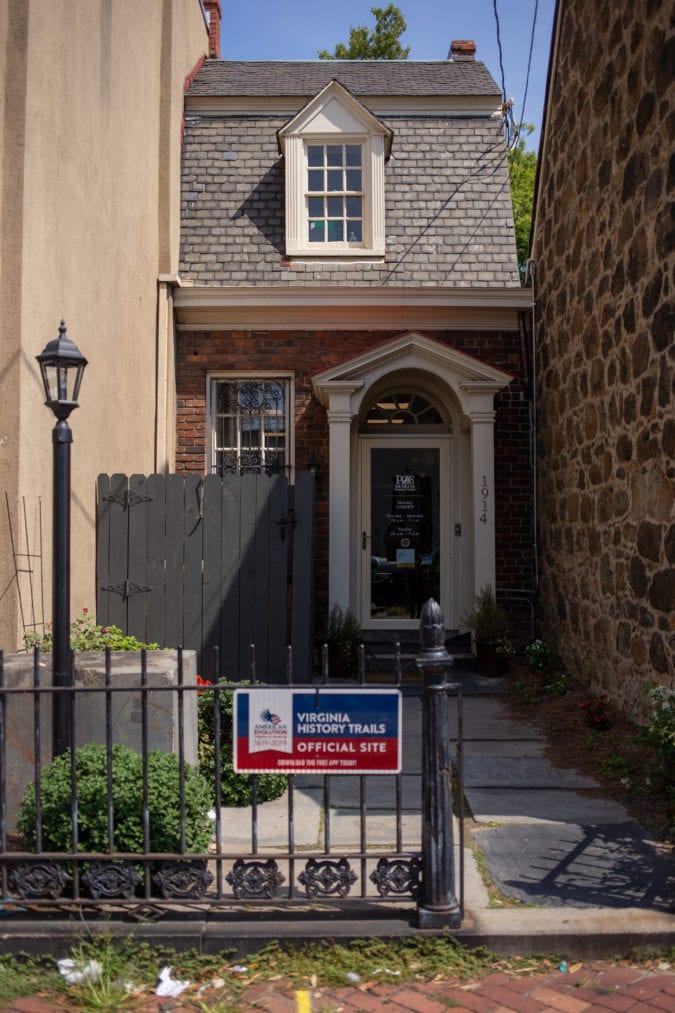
529, 60
501, 55
487, 164
511, 129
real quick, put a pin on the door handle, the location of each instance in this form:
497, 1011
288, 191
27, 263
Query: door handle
364, 540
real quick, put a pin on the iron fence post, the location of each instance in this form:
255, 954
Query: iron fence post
437, 906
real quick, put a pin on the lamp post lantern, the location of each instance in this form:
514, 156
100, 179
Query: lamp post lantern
62, 365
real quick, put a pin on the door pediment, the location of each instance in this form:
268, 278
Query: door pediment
470, 378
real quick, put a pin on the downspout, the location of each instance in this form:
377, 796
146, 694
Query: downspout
530, 273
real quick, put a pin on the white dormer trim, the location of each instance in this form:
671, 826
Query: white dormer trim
334, 116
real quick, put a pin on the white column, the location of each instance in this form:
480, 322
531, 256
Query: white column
483, 486
339, 446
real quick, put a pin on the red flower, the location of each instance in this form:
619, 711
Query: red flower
85, 611
202, 682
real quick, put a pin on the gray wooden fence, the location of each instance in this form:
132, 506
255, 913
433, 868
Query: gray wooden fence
210, 562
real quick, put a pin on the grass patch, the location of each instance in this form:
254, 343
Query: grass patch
496, 899
128, 970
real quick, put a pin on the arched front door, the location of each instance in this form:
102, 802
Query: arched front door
360, 395
405, 520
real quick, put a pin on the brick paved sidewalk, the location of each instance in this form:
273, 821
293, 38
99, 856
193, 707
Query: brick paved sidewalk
593, 986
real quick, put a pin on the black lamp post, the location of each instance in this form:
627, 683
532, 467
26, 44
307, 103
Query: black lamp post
62, 365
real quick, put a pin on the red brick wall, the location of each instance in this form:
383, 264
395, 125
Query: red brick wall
303, 354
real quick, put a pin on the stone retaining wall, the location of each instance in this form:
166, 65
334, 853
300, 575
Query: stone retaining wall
90, 715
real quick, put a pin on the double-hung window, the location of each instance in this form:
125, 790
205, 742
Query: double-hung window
335, 195
334, 153
250, 425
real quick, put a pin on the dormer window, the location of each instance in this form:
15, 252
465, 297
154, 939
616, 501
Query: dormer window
334, 171
335, 194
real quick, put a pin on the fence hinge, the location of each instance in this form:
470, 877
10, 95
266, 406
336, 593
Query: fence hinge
285, 522
129, 498
127, 588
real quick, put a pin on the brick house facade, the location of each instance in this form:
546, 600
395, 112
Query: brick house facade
605, 273
348, 263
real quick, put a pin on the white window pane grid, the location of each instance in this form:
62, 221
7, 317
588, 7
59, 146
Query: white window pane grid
334, 193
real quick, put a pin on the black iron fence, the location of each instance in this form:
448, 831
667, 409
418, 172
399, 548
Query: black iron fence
116, 827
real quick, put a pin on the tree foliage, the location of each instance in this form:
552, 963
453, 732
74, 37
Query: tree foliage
522, 172
382, 43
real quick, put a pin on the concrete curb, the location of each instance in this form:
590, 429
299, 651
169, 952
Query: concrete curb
573, 934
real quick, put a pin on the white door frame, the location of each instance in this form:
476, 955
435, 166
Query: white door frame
342, 389
438, 442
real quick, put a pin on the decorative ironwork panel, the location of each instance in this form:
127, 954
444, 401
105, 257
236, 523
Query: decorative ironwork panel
250, 463
38, 880
106, 880
255, 879
327, 878
183, 880
397, 876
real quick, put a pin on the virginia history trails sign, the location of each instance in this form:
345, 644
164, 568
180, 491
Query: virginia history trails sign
339, 731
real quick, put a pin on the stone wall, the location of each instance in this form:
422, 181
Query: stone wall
605, 265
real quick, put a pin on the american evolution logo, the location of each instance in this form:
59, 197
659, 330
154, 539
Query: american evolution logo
333, 731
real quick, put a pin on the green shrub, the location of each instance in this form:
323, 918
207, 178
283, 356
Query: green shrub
343, 636
661, 731
127, 797
487, 619
235, 789
86, 635
538, 656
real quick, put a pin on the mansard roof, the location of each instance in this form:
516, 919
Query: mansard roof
448, 214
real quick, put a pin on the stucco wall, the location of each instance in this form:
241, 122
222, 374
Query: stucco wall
605, 258
91, 127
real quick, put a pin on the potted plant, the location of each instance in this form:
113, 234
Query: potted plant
343, 636
489, 625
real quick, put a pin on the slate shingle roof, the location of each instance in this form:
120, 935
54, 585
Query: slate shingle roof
448, 210
361, 77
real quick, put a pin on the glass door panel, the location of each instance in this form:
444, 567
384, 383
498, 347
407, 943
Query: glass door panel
402, 534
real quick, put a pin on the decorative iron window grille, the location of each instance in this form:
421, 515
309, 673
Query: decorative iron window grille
250, 426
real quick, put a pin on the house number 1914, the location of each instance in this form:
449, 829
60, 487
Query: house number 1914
484, 493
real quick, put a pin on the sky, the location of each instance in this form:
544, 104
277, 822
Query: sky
298, 29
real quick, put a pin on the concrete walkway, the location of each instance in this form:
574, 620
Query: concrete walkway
547, 836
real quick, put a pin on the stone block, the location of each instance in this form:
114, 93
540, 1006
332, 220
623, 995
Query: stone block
28, 716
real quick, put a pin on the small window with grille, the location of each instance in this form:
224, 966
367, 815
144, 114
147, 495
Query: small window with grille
250, 425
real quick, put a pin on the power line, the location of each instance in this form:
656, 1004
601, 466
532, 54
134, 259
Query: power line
510, 127
499, 47
529, 59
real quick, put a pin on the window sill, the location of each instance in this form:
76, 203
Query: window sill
311, 253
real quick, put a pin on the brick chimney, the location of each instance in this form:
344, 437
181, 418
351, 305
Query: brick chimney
214, 16
462, 49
